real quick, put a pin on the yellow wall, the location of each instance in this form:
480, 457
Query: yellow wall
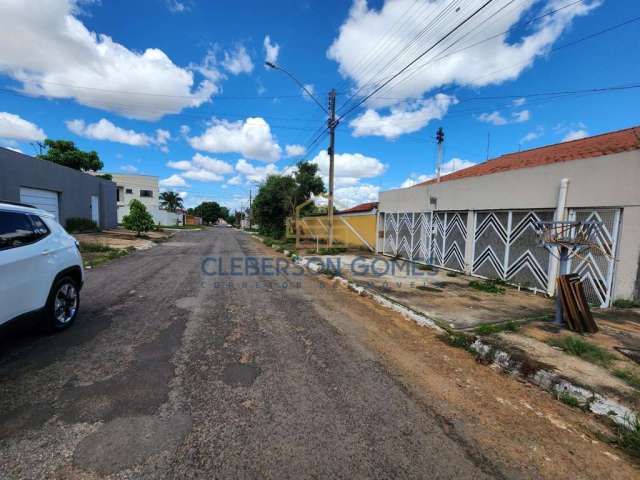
364, 225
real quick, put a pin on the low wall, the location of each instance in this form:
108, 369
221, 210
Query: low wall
352, 230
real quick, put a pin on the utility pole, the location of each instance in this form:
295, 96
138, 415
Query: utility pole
250, 212
332, 124
440, 140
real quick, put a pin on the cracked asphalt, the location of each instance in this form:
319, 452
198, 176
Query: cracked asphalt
173, 373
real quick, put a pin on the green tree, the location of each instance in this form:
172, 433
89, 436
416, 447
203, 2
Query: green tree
139, 219
209, 211
170, 201
279, 195
64, 152
273, 203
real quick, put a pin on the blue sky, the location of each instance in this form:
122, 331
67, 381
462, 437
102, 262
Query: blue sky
178, 89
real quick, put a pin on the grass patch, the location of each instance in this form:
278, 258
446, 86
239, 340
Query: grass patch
458, 340
629, 377
94, 254
488, 286
497, 328
629, 438
569, 400
625, 303
579, 347
332, 250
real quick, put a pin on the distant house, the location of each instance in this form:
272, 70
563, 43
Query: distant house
363, 208
62, 191
146, 189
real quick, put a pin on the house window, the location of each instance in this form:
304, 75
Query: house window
146, 193
129, 191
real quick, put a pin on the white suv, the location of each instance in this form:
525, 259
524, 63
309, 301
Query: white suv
40, 267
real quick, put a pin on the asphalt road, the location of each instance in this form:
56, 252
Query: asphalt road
173, 373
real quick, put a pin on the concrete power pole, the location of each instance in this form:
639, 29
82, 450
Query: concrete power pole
250, 211
440, 140
332, 124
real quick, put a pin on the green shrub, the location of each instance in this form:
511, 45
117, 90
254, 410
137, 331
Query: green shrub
332, 250
569, 399
139, 219
631, 378
626, 303
458, 340
488, 286
497, 328
629, 438
578, 347
79, 225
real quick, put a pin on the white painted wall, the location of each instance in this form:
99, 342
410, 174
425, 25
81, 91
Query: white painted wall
136, 183
605, 181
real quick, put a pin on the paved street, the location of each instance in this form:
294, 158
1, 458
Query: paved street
170, 373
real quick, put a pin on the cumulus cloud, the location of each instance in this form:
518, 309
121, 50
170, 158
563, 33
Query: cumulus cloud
173, 181
496, 60
237, 61
237, 180
575, 135
531, 136
254, 173
89, 67
176, 6
252, 138
450, 166
294, 150
350, 165
496, 118
201, 168
271, 51
403, 118
105, 130
346, 197
129, 168
16, 128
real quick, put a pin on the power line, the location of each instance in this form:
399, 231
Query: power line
447, 35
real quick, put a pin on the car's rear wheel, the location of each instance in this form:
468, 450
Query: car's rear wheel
63, 305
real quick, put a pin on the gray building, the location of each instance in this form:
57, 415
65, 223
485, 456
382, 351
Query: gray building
63, 191
483, 220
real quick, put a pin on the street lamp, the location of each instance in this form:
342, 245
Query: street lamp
331, 124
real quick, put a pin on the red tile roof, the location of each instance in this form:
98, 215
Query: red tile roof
363, 207
596, 146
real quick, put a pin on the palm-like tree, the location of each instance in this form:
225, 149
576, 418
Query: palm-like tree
170, 201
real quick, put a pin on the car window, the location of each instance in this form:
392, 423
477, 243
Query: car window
40, 229
17, 229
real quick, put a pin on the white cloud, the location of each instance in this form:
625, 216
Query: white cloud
349, 196
72, 62
450, 166
493, 61
202, 175
531, 136
237, 180
294, 150
105, 130
271, 51
211, 164
129, 168
237, 61
354, 165
496, 118
180, 165
176, 6
404, 118
173, 181
17, 128
202, 168
253, 173
518, 102
183, 195
252, 138
309, 88
575, 135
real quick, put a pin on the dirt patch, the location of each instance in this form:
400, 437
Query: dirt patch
518, 425
240, 374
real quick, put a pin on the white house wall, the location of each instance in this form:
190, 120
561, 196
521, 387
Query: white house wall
608, 186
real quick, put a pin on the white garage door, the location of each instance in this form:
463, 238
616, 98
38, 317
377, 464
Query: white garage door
43, 199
